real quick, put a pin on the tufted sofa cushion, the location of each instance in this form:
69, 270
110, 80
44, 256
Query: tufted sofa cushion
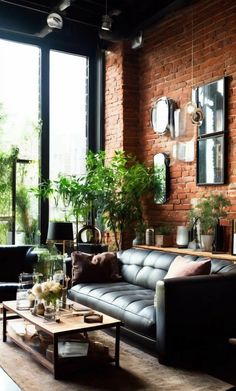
130, 303
146, 267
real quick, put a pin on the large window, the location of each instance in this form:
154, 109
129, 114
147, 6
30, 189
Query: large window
22, 126
19, 141
68, 118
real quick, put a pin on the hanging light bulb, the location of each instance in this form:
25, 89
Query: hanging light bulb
191, 106
106, 21
195, 112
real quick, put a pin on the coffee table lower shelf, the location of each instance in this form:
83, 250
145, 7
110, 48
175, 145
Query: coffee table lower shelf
67, 364
60, 366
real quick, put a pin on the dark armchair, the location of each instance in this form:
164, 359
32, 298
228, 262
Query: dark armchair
14, 260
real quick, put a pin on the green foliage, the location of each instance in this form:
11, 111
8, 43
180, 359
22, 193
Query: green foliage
163, 230
114, 189
7, 161
28, 224
118, 187
209, 211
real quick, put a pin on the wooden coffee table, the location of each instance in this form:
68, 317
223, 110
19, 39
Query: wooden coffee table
68, 325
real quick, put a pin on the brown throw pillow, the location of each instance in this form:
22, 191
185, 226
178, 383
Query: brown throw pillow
94, 268
110, 260
181, 267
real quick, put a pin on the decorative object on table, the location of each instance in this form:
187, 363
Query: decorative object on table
31, 298
209, 211
46, 259
89, 234
22, 299
182, 236
50, 292
93, 318
219, 242
193, 232
38, 308
163, 236
150, 237
140, 228
60, 232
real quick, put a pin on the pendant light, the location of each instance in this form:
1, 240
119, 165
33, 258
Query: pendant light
195, 112
106, 21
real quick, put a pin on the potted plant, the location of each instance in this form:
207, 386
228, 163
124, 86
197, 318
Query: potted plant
111, 191
208, 212
118, 187
140, 228
163, 236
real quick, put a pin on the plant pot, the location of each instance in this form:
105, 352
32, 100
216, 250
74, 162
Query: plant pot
206, 242
163, 240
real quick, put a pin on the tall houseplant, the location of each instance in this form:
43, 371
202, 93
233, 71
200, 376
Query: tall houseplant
113, 190
118, 187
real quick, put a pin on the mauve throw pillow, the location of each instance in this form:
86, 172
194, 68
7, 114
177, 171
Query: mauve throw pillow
181, 267
94, 268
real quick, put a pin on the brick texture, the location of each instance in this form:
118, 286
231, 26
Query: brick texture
190, 47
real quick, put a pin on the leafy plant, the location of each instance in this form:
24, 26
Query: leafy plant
209, 211
163, 230
118, 187
28, 224
113, 189
7, 161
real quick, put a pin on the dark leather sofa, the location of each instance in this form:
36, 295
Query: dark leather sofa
194, 316
14, 260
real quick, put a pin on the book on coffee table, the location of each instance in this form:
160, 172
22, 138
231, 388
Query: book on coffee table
73, 348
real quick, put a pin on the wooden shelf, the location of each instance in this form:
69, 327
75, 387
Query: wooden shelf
187, 251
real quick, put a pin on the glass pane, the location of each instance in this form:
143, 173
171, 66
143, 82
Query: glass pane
211, 160
19, 125
68, 118
211, 100
26, 204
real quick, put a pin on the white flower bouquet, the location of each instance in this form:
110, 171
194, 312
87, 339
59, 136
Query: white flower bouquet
49, 291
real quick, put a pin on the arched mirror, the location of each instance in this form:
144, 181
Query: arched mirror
161, 175
160, 115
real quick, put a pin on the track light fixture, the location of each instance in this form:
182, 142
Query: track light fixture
106, 21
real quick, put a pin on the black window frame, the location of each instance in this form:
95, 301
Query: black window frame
95, 124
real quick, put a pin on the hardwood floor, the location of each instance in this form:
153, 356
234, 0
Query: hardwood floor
6, 383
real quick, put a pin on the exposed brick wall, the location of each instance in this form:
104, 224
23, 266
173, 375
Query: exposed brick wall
163, 67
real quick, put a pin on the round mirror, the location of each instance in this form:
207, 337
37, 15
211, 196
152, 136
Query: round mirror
160, 115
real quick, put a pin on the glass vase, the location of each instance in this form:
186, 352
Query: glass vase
50, 312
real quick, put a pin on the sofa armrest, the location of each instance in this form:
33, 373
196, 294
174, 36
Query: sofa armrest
194, 313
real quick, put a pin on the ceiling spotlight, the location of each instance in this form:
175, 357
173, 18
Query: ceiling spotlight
64, 4
106, 23
54, 21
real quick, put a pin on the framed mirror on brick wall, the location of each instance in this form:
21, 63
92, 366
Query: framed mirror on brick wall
212, 133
